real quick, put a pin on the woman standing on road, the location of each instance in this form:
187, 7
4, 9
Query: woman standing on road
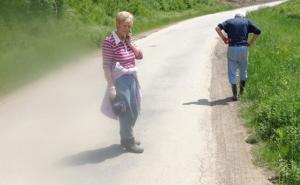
120, 72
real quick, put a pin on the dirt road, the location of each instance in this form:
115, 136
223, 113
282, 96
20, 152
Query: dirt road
52, 131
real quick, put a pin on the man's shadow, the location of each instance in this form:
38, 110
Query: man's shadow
92, 156
224, 101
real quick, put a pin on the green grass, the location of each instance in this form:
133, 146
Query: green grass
28, 51
273, 95
160, 18
34, 40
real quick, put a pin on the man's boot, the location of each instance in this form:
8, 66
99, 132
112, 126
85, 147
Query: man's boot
234, 92
242, 86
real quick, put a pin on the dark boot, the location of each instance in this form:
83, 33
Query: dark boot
242, 86
234, 92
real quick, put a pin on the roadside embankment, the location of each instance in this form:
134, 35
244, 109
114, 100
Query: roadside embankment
272, 98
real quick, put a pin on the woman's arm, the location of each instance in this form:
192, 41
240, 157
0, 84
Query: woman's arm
137, 51
107, 54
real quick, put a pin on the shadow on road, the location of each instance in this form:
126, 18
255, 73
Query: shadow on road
224, 101
93, 156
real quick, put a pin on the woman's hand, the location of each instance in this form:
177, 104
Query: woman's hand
112, 92
137, 52
128, 39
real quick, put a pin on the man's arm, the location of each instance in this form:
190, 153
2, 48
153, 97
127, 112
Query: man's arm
221, 34
252, 40
252, 28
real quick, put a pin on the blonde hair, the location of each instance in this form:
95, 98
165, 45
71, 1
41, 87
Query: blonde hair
123, 16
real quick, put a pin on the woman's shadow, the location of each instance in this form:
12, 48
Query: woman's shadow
92, 156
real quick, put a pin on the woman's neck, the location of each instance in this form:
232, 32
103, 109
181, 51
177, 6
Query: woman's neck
120, 36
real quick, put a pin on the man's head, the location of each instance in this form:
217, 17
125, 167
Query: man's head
240, 15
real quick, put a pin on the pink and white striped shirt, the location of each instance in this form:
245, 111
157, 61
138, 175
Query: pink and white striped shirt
114, 50
121, 59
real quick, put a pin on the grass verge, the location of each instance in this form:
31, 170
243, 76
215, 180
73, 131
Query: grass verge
273, 98
33, 41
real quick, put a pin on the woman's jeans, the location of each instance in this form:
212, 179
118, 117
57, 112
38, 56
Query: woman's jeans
126, 87
237, 58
